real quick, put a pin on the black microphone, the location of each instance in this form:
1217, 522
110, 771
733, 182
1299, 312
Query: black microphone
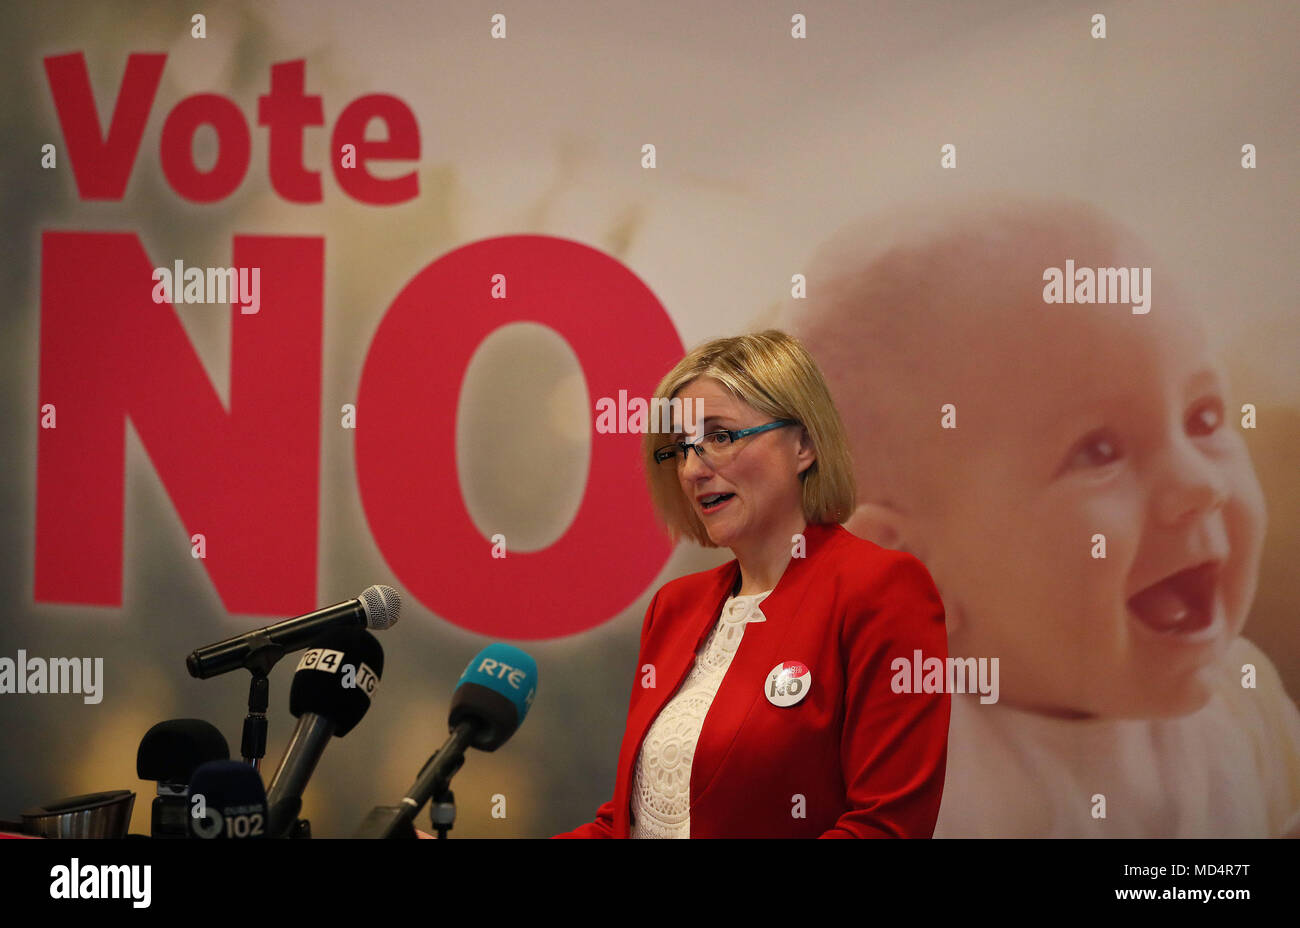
491, 700
168, 754
227, 800
331, 691
377, 607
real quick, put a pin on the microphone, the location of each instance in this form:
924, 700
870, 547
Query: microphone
331, 691
168, 754
377, 607
491, 700
227, 800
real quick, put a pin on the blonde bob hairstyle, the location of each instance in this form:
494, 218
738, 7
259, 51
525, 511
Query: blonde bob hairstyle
772, 372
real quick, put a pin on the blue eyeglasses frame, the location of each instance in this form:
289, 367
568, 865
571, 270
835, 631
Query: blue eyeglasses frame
661, 453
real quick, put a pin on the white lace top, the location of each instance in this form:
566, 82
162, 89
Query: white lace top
661, 789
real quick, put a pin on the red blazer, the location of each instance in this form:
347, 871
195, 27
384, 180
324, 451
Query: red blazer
869, 762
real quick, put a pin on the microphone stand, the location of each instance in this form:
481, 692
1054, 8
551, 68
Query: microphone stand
434, 782
261, 658
442, 811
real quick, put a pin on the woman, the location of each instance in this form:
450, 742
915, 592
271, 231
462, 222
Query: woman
762, 705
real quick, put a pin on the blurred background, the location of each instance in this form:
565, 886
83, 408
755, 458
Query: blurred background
765, 146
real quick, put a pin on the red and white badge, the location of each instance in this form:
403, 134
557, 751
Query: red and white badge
787, 683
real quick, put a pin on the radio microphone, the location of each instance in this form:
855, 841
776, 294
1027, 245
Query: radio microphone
227, 800
491, 700
331, 691
168, 754
376, 608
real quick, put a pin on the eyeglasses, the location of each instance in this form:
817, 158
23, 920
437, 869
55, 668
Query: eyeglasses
714, 448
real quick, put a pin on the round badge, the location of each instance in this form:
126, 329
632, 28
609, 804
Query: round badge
787, 683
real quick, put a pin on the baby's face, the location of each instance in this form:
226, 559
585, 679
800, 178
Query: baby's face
1090, 421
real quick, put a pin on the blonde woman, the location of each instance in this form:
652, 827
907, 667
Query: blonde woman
771, 712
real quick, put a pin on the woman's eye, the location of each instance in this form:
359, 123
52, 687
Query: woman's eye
719, 438
1096, 451
1208, 418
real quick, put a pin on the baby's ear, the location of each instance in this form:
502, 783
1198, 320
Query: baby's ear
875, 523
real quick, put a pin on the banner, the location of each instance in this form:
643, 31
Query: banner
306, 297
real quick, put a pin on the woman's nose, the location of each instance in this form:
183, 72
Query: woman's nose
694, 466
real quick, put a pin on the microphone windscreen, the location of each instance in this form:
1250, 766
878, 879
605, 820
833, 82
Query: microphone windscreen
171, 750
495, 691
337, 678
231, 798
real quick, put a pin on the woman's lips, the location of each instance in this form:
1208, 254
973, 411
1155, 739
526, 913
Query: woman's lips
709, 510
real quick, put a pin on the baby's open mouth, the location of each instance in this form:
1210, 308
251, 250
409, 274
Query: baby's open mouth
1181, 603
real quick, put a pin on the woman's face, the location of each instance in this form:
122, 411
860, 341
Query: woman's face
766, 495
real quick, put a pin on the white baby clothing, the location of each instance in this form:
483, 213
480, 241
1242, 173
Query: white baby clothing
1231, 769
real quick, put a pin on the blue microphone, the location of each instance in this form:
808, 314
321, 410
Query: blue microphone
227, 800
494, 694
491, 700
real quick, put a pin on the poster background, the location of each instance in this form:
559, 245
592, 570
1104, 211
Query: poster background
766, 145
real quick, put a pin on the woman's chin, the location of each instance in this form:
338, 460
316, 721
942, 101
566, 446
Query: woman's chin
719, 537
